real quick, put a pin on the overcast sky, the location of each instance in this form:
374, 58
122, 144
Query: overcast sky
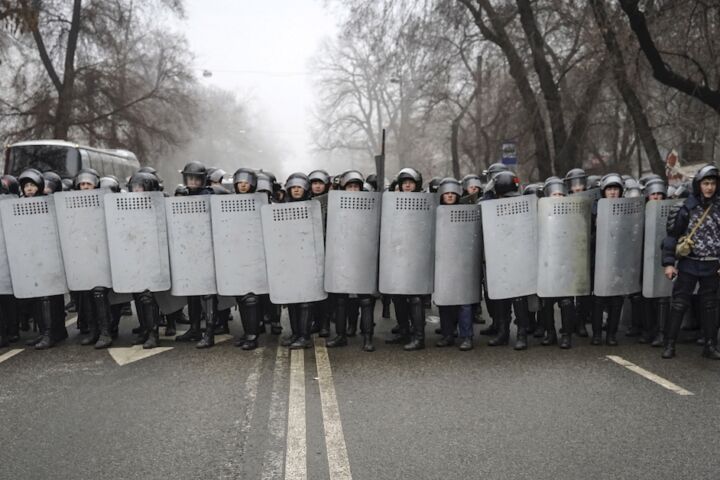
261, 50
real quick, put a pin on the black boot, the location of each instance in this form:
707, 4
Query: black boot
171, 324
663, 308
613, 321
250, 318
102, 311
567, 316
293, 313
89, 318
503, 335
709, 319
402, 315
352, 317
597, 320
367, 322
304, 319
386, 300
44, 319
635, 329
340, 340
211, 315
417, 315
195, 313
677, 312
548, 316
520, 307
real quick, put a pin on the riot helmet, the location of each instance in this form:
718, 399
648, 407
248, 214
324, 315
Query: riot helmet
449, 185
494, 169
554, 187
153, 171
351, 177
53, 183
336, 182
593, 181
633, 191
143, 182
110, 182
576, 180
11, 184
196, 172
245, 180
318, 177
433, 184
86, 181
503, 183
534, 189
473, 182
294, 181
368, 187
216, 176
34, 177
645, 179
655, 186
372, 180
612, 180
411, 174
67, 184
264, 183
708, 171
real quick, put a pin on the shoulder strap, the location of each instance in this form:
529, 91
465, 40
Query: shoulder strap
702, 219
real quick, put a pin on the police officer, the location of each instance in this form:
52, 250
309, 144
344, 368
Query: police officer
656, 310
699, 264
577, 181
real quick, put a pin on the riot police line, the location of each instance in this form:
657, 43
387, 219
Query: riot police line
322, 253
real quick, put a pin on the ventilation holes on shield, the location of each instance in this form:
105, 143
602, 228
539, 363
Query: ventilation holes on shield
516, 208
464, 216
133, 203
84, 201
357, 203
665, 210
289, 214
629, 208
232, 205
567, 209
30, 208
189, 207
412, 203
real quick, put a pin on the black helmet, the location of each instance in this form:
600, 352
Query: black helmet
298, 179
351, 176
708, 171
554, 185
372, 180
433, 184
504, 182
88, 177
449, 185
246, 175
67, 184
576, 176
471, 180
110, 182
147, 181
53, 182
534, 189
11, 184
410, 174
494, 169
196, 169
655, 185
153, 171
593, 181
612, 180
32, 175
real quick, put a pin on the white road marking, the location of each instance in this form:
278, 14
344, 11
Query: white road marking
274, 452
70, 321
338, 462
10, 353
225, 337
126, 355
650, 376
296, 450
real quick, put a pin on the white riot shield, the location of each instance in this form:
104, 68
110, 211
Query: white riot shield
352, 242
592, 194
564, 246
5, 278
407, 230
83, 238
192, 262
33, 247
458, 255
137, 237
238, 244
169, 303
655, 284
510, 245
294, 251
619, 246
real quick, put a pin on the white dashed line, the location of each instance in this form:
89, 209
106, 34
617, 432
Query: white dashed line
9, 354
272, 467
296, 450
650, 376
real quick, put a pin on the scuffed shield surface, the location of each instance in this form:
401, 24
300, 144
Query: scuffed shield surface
655, 283
458, 255
510, 246
5, 278
192, 263
564, 246
352, 242
137, 237
619, 246
294, 251
238, 244
83, 238
33, 247
407, 231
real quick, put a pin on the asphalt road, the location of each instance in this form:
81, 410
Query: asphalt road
74, 412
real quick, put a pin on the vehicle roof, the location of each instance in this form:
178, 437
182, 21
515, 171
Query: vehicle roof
125, 154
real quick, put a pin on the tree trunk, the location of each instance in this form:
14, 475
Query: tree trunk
66, 93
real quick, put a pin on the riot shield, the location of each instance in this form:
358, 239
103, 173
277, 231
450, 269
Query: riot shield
294, 251
5, 278
238, 244
83, 239
655, 284
407, 230
458, 255
137, 238
33, 247
510, 245
593, 194
619, 246
564, 246
353, 242
226, 302
192, 263
323, 201
117, 298
168, 303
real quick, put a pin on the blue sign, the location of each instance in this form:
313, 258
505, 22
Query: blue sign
509, 153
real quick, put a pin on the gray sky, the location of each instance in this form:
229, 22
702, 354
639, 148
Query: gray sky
260, 50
